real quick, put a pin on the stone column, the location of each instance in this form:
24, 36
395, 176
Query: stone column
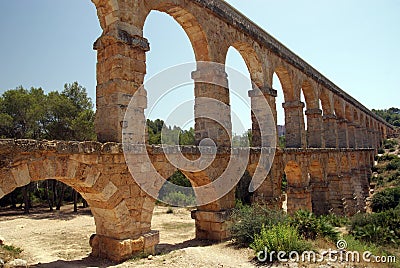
212, 225
365, 136
336, 199
343, 136
212, 110
258, 100
120, 72
359, 137
298, 198
377, 140
298, 188
371, 138
351, 135
294, 123
330, 131
320, 197
270, 191
365, 173
314, 128
348, 192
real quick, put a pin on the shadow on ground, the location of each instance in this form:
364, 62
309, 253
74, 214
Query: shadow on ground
83, 263
167, 248
40, 213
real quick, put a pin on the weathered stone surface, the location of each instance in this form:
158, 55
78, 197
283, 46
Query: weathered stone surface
326, 166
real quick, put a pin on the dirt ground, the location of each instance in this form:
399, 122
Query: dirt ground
61, 239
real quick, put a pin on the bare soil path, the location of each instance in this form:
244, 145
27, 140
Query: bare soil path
61, 239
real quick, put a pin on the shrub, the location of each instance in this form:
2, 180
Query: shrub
180, 199
381, 150
335, 220
280, 237
381, 228
9, 252
311, 227
393, 164
387, 157
248, 221
394, 177
390, 144
387, 199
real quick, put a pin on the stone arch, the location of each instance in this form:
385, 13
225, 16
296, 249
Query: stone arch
120, 223
348, 113
310, 95
316, 171
339, 107
286, 82
187, 21
294, 174
344, 163
332, 166
356, 116
252, 61
327, 102
106, 12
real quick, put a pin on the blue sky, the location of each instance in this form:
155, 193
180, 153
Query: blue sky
46, 43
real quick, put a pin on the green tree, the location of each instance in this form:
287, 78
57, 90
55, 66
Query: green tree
159, 133
70, 114
32, 114
391, 115
21, 112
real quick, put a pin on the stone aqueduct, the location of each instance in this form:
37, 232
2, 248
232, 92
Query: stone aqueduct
327, 166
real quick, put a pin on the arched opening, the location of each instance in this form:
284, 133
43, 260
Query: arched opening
242, 193
280, 100
121, 209
312, 115
239, 81
46, 227
171, 93
184, 197
49, 195
171, 215
303, 100
293, 107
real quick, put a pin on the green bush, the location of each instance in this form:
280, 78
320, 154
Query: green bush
311, 227
387, 157
385, 200
335, 220
394, 177
280, 237
381, 150
248, 221
390, 144
183, 197
393, 164
180, 199
381, 228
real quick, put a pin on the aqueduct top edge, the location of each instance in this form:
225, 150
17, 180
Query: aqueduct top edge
235, 18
